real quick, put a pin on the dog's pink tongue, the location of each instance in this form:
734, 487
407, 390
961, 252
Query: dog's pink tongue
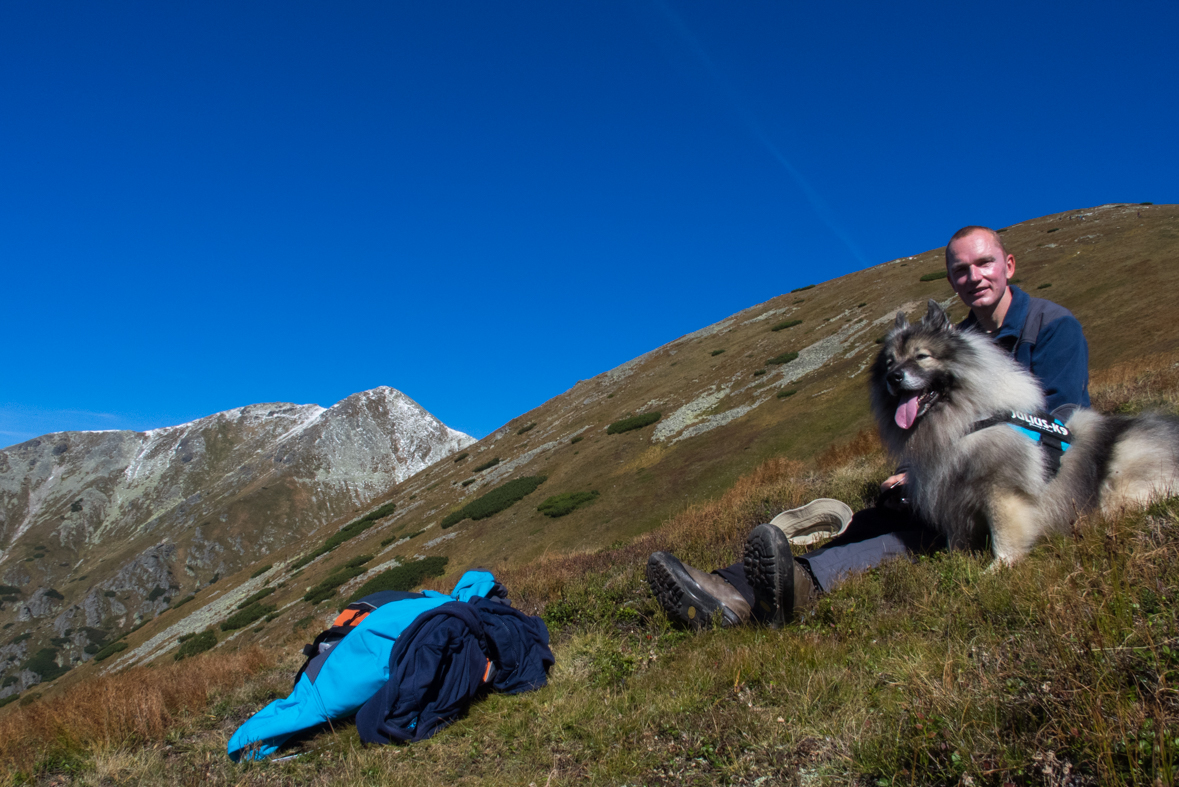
907, 413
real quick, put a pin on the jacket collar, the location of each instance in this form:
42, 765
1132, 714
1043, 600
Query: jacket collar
1012, 327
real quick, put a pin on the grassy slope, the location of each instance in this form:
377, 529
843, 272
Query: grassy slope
645, 484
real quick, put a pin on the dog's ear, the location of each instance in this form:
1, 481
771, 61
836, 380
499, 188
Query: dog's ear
901, 323
935, 319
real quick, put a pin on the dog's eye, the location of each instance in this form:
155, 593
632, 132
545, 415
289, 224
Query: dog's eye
922, 356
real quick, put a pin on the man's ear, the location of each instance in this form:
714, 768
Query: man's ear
901, 322
935, 318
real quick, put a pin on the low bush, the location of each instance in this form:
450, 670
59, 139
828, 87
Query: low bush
1044, 286
783, 358
44, 663
8, 699
934, 276
183, 601
156, 593
800, 289
348, 532
110, 650
486, 465
261, 594
461, 456
525, 429
861, 305
468, 482
787, 393
759, 372
716, 353
53, 594
8, 590
239, 620
327, 587
1054, 229
566, 503
576, 440
262, 571
787, 324
197, 643
498, 499
632, 423
406, 577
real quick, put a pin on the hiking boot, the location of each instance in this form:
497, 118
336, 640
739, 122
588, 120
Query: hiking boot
818, 519
691, 597
782, 588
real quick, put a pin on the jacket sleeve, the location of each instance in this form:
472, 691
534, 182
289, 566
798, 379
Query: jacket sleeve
1060, 360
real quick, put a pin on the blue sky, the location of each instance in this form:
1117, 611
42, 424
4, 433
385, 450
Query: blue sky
207, 205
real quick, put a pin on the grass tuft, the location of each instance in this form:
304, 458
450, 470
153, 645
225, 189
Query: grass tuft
787, 324
934, 276
783, 358
490, 463
566, 503
498, 499
633, 422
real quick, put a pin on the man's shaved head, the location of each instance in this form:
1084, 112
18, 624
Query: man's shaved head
965, 231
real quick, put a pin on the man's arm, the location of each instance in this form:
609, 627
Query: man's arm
1060, 360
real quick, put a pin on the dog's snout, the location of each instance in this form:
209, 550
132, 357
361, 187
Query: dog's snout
896, 376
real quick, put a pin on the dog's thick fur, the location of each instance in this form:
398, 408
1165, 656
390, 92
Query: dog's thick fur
995, 483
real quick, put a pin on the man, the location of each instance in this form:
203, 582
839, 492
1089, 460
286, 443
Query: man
769, 584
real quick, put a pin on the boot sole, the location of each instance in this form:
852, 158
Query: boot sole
769, 569
680, 596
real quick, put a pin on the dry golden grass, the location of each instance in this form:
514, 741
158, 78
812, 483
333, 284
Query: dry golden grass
133, 707
1151, 382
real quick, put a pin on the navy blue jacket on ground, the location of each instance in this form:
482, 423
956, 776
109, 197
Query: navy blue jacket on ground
442, 661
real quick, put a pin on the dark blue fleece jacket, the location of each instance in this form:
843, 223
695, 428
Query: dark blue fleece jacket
1057, 354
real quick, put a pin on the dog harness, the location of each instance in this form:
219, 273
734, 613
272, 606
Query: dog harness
1053, 436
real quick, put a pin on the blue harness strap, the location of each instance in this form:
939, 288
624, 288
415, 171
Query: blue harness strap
1053, 436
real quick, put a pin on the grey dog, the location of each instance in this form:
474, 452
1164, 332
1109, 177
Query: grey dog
937, 393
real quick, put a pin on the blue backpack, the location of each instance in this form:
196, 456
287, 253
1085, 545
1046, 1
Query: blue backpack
353, 660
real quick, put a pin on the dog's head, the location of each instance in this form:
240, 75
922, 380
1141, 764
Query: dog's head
912, 374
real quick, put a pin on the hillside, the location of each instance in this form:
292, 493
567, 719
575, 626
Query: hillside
103, 530
729, 397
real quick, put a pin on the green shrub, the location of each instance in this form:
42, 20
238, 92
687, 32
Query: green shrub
1054, 229
800, 289
19, 638
6, 700
357, 561
632, 423
303, 623
44, 663
53, 594
787, 324
262, 571
29, 699
155, 593
406, 577
880, 339
11, 680
716, 353
239, 620
759, 372
1044, 286
528, 428
934, 276
110, 650
861, 304
303, 561
9, 589
461, 457
197, 643
468, 482
184, 601
577, 439
498, 499
327, 587
783, 358
566, 503
787, 393
261, 594
486, 465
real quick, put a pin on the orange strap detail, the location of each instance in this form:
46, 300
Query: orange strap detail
487, 671
350, 617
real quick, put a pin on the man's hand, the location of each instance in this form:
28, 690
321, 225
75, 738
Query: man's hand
894, 480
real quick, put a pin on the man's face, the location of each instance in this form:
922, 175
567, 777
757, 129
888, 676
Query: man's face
979, 269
